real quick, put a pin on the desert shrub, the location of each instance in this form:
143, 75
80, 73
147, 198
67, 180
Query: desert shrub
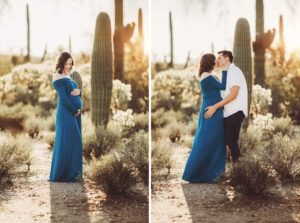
174, 131
14, 153
33, 126
192, 125
49, 122
111, 174
100, 140
159, 119
283, 155
49, 138
179, 116
162, 157
249, 140
250, 177
283, 125
156, 134
187, 140
135, 153
141, 122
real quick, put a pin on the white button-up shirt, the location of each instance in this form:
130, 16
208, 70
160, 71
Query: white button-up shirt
235, 77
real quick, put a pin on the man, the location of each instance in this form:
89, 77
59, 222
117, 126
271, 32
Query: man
235, 102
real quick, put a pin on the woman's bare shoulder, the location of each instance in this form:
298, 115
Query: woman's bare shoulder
204, 75
58, 76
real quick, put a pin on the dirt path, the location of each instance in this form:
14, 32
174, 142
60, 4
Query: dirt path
175, 200
34, 199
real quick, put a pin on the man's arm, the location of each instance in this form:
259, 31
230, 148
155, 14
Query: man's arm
234, 91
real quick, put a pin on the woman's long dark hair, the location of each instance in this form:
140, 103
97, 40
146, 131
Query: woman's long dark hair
207, 63
63, 58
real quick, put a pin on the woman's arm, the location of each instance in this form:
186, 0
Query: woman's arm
222, 85
61, 91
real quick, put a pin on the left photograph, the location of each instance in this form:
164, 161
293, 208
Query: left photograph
74, 111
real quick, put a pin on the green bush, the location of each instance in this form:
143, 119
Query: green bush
111, 174
135, 153
283, 155
250, 177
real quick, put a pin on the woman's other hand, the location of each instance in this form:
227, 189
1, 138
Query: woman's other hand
75, 92
78, 113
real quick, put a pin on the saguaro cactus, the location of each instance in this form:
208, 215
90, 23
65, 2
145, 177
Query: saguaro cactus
122, 34
141, 33
281, 41
70, 45
102, 71
262, 42
77, 78
171, 64
242, 53
140, 24
27, 58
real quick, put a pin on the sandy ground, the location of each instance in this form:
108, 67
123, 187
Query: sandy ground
174, 200
34, 199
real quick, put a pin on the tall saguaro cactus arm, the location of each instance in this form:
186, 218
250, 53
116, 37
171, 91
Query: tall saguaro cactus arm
121, 36
262, 42
102, 71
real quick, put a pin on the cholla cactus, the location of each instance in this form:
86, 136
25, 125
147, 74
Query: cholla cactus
176, 89
261, 100
121, 95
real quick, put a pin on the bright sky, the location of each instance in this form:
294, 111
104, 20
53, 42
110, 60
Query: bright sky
198, 23
53, 21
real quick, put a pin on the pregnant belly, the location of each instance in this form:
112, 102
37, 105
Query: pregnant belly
76, 100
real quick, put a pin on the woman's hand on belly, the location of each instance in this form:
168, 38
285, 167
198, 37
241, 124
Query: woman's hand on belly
75, 92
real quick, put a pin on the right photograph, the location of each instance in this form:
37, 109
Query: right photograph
225, 111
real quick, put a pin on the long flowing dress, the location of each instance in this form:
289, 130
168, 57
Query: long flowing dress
207, 158
66, 163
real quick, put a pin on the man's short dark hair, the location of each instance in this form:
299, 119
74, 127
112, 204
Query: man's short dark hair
227, 53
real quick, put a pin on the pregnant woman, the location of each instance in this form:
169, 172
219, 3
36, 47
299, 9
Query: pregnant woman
207, 159
66, 163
